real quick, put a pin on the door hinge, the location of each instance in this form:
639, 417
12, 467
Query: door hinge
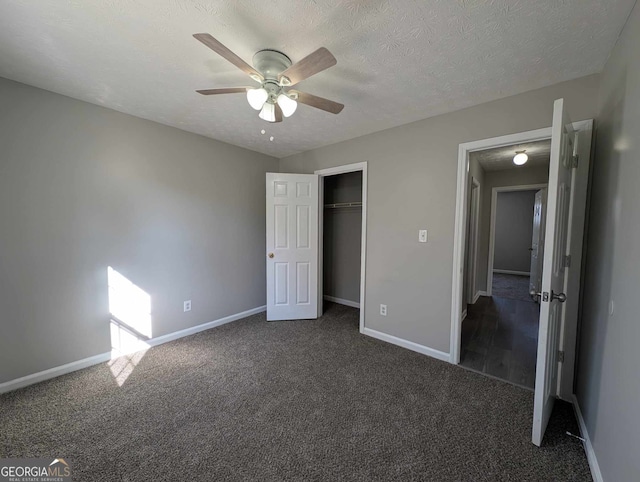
560, 356
567, 261
575, 161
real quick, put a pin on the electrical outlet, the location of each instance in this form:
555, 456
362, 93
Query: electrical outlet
422, 235
187, 306
383, 310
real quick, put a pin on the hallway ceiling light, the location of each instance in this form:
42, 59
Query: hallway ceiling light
520, 158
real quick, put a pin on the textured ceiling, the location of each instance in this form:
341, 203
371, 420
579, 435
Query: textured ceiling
501, 158
398, 61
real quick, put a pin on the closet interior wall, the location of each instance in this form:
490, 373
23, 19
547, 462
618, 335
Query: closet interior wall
342, 232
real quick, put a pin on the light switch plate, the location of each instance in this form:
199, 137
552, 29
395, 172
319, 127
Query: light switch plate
422, 235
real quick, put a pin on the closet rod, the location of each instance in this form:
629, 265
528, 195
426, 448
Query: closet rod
343, 205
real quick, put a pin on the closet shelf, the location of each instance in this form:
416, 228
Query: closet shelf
343, 205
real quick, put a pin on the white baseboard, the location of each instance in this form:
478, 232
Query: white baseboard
508, 271
464, 315
105, 357
425, 350
205, 326
478, 295
341, 301
588, 448
53, 372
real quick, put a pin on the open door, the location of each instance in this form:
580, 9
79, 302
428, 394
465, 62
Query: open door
292, 246
552, 297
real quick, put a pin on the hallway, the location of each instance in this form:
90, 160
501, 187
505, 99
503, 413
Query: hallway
500, 338
513, 286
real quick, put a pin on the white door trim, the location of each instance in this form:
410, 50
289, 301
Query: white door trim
460, 230
332, 171
573, 284
492, 225
472, 269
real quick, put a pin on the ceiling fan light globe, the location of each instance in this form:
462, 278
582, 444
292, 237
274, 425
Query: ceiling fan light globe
257, 97
520, 159
287, 104
268, 112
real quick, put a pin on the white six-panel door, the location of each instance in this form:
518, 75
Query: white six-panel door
552, 311
292, 246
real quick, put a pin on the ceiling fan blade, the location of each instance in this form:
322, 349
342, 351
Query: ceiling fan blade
229, 90
223, 51
278, 113
319, 102
313, 63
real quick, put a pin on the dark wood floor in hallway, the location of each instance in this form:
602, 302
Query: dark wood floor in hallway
500, 338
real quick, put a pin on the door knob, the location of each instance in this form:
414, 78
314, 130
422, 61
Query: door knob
271, 255
561, 297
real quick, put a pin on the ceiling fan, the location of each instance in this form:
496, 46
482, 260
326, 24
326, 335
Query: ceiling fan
276, 73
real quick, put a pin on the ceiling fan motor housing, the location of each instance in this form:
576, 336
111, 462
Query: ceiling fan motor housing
271, 63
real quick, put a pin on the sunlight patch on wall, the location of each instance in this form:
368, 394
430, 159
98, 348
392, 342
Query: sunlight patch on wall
128, 303
125, 342
130, 324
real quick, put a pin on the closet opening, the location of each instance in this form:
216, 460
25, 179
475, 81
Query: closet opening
342, 222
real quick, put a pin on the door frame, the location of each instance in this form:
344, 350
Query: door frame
332, 171
576, 245
472, 260
492, 225
568, 333
460, 227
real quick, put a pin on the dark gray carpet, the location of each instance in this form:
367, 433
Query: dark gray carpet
513, 286
301, 400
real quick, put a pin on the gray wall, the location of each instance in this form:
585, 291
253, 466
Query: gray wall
342, 237
412, 185
608, 385
509, 177
82, 188
514, 228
